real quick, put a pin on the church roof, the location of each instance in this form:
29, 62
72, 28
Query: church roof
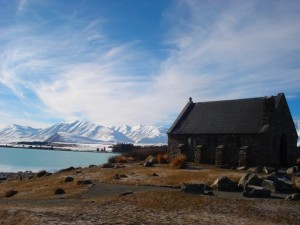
220, 117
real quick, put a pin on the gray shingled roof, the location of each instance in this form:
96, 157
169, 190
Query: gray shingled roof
219, 117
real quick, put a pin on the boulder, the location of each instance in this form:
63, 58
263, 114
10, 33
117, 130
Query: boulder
249, 179
282, 184
252, 191
69, 179
292, 170
270, 185
197, 189
149, 161
293, 197
59, 191
67, 169
224, 184
126, 193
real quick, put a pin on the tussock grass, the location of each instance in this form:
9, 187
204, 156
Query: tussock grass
179, 161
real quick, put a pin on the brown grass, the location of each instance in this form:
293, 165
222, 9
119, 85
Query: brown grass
162, 158
179, 161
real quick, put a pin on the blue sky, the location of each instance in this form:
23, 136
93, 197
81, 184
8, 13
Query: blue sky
137, 61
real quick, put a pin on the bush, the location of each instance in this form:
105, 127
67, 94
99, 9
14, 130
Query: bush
138, 153
179, 161
162, 158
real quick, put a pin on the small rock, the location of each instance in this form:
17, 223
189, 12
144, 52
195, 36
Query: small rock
197, 189
59, 191
149, 161
117, 176
252, 191
126, 193
84, 182
107, 165
123, 176
69, 179
155, 175
293, 197
10, 193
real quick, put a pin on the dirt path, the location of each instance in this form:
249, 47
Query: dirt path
104, 189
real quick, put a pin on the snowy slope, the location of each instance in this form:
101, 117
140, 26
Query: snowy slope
82, 129
15, 132
144, 134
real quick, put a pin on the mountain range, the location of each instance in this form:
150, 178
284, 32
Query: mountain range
84, 132
89, 133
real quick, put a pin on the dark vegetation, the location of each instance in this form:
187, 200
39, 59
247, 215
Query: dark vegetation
40, 143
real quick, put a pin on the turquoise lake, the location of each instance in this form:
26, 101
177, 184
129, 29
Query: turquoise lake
21, 159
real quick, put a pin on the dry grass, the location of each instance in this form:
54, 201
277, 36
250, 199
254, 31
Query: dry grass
35, 202
179, 161
161, 158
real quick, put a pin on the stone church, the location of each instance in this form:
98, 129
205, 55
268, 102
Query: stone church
242, 132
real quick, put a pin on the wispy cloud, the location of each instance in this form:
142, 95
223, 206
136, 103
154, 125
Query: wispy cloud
71, 67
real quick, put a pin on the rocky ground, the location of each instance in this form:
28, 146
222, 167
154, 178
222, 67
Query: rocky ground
133, 194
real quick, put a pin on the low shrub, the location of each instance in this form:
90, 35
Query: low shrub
162, 158
179, 161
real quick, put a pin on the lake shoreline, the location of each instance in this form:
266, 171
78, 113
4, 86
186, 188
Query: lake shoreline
51, 148
14, 160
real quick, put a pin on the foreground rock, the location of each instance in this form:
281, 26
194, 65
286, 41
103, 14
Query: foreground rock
10, 193
84, 182
197, 189
252, 191
249, 179
224, 184
293, 197
59, 191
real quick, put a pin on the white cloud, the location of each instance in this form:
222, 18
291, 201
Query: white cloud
217, 51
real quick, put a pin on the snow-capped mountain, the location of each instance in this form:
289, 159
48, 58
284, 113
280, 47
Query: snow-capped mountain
84, 132
16, 132
144, 134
